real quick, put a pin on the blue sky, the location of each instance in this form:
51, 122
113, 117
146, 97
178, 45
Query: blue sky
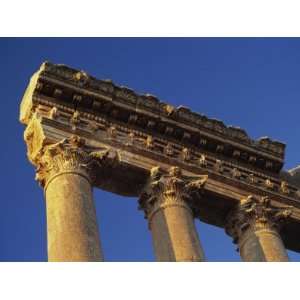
251, 83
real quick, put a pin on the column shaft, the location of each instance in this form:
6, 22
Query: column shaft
263, 245
174, 235
254, 225
166, 201
71, 219
65, 170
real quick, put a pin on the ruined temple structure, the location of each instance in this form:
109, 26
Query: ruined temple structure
82, 132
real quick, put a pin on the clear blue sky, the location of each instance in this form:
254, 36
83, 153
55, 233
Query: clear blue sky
251, 83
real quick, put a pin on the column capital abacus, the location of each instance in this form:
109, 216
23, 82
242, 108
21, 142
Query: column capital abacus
255, 214
171, 189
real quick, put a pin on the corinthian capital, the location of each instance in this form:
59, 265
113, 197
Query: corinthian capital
170, 189
255, 214
68, 156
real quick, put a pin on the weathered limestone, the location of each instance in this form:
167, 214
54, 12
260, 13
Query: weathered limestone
139, 132
64, 169
167, 202
254, 226
71, 219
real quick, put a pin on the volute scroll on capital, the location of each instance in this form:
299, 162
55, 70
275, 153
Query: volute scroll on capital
253, 213
171, 189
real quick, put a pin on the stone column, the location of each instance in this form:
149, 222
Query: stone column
167, 203
255, 227
64, 170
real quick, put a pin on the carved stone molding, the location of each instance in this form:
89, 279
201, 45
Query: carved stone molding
172, 189
253, 214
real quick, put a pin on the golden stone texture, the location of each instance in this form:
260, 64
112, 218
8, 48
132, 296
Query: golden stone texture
255, 227
82, 132
167, 202
263, 245
64, 169
71, 219
174, 235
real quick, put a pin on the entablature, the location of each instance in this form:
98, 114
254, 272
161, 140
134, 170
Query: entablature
69, 89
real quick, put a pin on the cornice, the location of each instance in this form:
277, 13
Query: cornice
70, 89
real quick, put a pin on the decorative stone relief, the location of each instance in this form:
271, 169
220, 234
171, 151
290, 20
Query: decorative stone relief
202, 161
169, 150
170, 189
255, 213
112, 132
53, 113
130, 139
75, 119
235, 173
81, 78
93, 126
284, 188
67, 155
269, 184
186, 154
149, 142
218, 167
251, 179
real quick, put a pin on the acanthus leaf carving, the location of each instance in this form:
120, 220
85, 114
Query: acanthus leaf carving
69, 155
171, 189
255, 213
